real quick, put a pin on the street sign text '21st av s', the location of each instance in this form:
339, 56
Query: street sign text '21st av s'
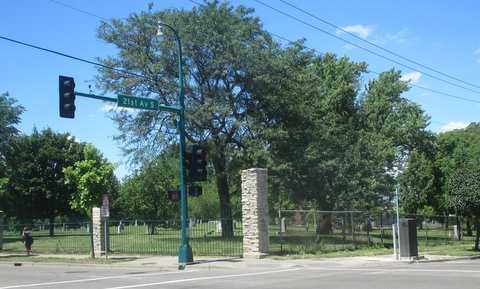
137, 102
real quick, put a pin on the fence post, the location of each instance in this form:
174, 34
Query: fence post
1, 230
353, 230
394, 236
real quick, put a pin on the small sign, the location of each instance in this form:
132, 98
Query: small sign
105, 209
137, 102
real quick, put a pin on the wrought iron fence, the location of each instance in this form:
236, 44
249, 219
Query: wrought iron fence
150, 237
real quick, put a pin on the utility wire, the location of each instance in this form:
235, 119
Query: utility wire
362, 47
78, 9
378, 73
378, 46
197, 3
72, 57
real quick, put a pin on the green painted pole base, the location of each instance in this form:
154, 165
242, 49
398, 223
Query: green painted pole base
185, 256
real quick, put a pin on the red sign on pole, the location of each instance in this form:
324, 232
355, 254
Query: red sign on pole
105, 209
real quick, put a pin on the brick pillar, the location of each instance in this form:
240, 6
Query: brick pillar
255, 213
97, 231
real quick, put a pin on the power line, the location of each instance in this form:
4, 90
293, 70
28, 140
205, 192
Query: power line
362, 47
411, 84
78, 9
195, 2
72, 57
378, 46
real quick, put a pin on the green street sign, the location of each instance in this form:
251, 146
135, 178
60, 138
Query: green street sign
137, 102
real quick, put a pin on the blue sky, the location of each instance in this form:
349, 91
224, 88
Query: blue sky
441, 34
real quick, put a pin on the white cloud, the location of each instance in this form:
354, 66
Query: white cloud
75, 139
454, 125
361, 30
412, 77
476, 53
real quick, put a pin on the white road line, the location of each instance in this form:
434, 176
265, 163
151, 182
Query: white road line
93, 279
394, 270
204, 278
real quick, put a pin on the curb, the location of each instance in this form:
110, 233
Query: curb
444, 260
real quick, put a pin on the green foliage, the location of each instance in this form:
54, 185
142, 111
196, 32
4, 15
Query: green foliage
464, 192
91, 177
34, 169
144, 194
226, 52
9, 117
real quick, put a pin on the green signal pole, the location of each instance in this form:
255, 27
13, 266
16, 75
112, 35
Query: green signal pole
185, 254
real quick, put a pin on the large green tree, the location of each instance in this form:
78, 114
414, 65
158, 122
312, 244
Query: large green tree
91, 177
143, 195
9, 117
34, 167
331, 142
226, 52
464, 196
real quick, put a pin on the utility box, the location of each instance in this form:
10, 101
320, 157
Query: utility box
408, 238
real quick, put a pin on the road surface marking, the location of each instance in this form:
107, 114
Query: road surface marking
93, 279
394, 270
204, 278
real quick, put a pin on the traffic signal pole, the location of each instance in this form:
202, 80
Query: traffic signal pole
67, 109
185, 254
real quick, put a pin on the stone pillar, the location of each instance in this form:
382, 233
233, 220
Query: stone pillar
255, 213
1, 230
97, 231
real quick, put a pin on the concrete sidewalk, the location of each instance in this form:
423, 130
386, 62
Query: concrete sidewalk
171, 262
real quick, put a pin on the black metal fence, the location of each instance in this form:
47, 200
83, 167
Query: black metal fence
291, 232
151, 237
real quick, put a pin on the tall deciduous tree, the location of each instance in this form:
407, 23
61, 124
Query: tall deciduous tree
91, 177
226, 51
464, 196
35, 166
9, 117
144, 194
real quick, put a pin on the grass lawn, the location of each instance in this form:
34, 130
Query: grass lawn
206, 240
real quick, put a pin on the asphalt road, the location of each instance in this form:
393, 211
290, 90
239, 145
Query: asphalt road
461, 274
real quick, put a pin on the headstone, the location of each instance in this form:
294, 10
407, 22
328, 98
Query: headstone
255, 212
456, 233
219, 227
283, 225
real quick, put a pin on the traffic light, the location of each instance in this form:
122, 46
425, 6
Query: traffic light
196, 163
195, 191
67, 96
173, 195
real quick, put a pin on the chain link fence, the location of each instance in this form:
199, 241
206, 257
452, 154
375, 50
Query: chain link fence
316, 232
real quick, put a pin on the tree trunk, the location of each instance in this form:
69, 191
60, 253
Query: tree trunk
469, 228
459, 228
151, 228
51, 229
224, 196
477, 228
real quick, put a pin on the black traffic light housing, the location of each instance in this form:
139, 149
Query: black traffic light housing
195, 191
67, 96
196, 163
